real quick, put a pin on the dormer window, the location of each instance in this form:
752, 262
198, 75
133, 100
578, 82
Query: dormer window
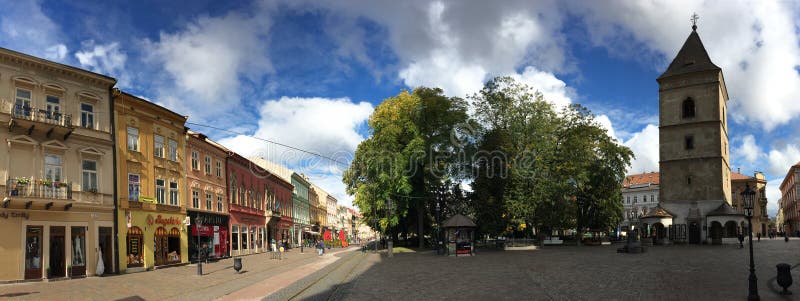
688, 108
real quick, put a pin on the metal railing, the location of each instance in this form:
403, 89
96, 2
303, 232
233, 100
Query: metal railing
24, 188
42, 115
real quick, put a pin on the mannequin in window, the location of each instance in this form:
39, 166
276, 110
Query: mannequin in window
77, 258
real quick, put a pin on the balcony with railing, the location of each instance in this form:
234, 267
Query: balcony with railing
41, 189
51, 122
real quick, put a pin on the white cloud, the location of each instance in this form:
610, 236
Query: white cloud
781, 159
106, 59
749, 150
644, 145
758, 53
553, 89
209, 58
606, 124
773, 196
56, 52
25, 28
329, 127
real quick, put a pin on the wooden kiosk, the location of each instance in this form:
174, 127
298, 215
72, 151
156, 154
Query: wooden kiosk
459, 231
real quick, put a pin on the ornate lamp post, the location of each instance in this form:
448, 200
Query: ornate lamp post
747, 199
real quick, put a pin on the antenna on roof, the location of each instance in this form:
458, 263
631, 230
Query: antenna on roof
694, 19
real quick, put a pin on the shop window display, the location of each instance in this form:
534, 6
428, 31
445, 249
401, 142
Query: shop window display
134, 242
174, 245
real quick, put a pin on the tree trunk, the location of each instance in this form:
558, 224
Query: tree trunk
420, 231
580, 237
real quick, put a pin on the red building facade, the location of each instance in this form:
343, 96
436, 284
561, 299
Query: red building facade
247, 191
279, 209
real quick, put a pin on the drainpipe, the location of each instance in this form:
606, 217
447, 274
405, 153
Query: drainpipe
114, 164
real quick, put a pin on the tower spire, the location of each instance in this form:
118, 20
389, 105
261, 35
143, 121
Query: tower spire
694, 19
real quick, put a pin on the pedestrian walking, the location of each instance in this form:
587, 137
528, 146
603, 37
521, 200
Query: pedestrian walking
759, 236
741, 240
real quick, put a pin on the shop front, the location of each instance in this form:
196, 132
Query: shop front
285, 230
248, 233
152, 239
38, 243
213, 235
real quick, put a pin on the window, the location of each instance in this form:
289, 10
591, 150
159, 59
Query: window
195, 199
133, 187
52, 167
635, 199
233, 192
235, 238
209, 200
87, 116
22, 105
53, 108
219, 203
689, 180
173, 194
652, 197
644, 198
173, 150
629, 199
89, 175
194, 161
689, 142
158, 146
243, 196
133, 139
688, 108
161, 197
208, 165
219, 168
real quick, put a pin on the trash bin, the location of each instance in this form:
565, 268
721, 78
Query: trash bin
237, 264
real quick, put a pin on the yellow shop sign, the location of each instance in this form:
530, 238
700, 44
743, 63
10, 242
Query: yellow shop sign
147, 200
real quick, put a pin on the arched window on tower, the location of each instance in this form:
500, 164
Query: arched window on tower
688, 108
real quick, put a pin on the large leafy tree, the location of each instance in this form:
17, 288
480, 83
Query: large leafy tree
411, 151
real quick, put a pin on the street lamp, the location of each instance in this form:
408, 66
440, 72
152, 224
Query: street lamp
747, 198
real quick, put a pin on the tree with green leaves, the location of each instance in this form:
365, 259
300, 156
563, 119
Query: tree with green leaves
409, 153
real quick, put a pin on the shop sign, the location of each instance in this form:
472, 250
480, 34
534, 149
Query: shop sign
147, 200
13, 214
163, 221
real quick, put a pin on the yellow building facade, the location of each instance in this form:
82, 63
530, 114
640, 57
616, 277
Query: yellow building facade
151, 183
56, 170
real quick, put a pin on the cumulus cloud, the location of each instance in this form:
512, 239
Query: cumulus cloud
606, 124
328, 127
644, 145
25, 28
209, 58
553, 89
782, 158
106, 59
748, 149
773, 196
758, 53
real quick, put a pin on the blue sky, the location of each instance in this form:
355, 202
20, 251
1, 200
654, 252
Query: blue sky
309, 73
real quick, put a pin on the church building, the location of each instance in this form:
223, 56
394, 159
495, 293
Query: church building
695, 177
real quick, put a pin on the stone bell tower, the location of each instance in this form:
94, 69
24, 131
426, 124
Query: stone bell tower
693, 136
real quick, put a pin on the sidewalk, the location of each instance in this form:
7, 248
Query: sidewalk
177, 283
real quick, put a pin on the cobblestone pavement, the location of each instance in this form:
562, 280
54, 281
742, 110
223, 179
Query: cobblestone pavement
552, 273
176, 283
577, 273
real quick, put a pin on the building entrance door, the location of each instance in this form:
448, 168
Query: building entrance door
104, 241
33, 252
57, 253
694, 233
161, 246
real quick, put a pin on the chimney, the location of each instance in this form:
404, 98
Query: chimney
739, 170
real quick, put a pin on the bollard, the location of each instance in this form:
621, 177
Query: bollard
784, 277
237, 264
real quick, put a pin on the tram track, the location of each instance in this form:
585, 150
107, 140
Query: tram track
318, 290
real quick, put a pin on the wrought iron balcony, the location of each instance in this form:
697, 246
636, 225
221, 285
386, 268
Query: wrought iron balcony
51, 122
27, 188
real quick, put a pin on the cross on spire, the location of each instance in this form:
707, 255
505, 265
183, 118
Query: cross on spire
694, 21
